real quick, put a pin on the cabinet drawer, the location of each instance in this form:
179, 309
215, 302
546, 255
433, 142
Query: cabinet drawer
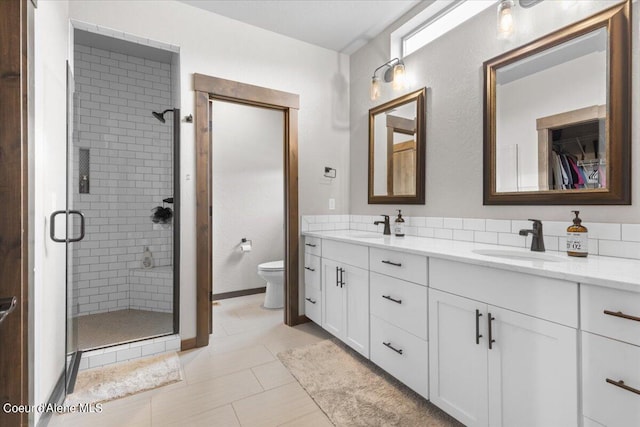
312, 271
312, 245
400, 303
408, 362
605, 403
543, 297
313, 304
410, 267
346, 253
622, 318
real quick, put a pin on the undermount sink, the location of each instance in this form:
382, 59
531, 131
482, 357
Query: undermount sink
519, 255
367, 235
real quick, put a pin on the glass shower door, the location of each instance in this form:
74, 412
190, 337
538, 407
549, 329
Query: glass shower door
75, 233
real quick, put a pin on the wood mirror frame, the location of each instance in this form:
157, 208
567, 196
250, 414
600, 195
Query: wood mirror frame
617, 21
418, 198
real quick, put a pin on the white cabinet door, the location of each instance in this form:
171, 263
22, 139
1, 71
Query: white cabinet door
532, 371
356, 293
458, 357
332, 299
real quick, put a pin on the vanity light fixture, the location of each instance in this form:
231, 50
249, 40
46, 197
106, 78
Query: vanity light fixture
394, 71
505, 18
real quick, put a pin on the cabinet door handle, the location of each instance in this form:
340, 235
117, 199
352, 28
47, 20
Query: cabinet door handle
397, 264
337, 281
310, 245
388, 345
309, 268
341, 277
623, 386
397, 301
622, 315
310, 300
491, 340
478, 336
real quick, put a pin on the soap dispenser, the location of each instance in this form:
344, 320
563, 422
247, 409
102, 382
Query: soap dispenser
398, 225
147, 258
577, 238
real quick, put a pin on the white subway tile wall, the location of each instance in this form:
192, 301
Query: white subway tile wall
131, 172
606, 239
129, 351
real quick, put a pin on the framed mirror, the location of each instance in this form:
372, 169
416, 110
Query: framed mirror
557, 116
397, 146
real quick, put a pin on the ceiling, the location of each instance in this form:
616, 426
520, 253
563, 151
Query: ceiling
340, 25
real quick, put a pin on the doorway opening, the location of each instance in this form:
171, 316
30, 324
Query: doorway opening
211, 89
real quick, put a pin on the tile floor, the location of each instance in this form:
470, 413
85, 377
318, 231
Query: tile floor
236, 381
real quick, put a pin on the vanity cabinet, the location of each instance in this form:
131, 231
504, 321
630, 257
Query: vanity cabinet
492, 365
398, 309
610, 357
312, 288
312, 279
345, 293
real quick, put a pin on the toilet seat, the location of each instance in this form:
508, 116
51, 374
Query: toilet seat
272, 266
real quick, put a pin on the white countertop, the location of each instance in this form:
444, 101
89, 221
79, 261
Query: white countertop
618, 273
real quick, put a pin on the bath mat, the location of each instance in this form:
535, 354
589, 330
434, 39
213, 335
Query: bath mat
352, 391
124, 379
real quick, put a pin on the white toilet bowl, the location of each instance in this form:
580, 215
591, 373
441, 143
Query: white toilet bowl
273, 273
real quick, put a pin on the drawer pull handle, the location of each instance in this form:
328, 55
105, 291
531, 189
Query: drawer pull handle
310, 244
622, 385
397, 264
309, 268
397, 301
388, 345
622, 315
491, 340
310, 300
478, 335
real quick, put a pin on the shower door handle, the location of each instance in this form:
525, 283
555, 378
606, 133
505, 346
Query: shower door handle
77, 239
52, 226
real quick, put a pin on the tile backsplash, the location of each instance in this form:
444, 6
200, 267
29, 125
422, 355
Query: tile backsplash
606, 239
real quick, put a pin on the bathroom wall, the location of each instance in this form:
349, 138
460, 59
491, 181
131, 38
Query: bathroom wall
451, 69
248, 193
130, 173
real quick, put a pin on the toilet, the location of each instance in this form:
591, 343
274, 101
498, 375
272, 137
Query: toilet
273, 273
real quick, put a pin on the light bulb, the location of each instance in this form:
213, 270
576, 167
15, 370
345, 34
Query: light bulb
505, 18
374, 90
398, 76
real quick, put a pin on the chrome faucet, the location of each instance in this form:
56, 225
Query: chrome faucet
537, 242
387, 225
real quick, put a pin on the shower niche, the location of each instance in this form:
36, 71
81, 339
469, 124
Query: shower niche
123, 165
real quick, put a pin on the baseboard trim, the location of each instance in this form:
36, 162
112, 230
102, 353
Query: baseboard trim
188, 344
302, 319
243, 292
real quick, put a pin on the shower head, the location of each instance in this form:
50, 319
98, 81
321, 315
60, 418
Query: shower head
160, 116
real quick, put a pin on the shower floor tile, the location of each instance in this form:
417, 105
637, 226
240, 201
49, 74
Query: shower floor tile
115, 327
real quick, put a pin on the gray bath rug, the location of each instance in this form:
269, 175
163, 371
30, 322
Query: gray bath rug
352, 391
126, 378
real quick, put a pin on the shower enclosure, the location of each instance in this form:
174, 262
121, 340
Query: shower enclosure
123, 240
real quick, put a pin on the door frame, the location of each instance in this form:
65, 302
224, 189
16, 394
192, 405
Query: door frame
16, 197
209, 88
